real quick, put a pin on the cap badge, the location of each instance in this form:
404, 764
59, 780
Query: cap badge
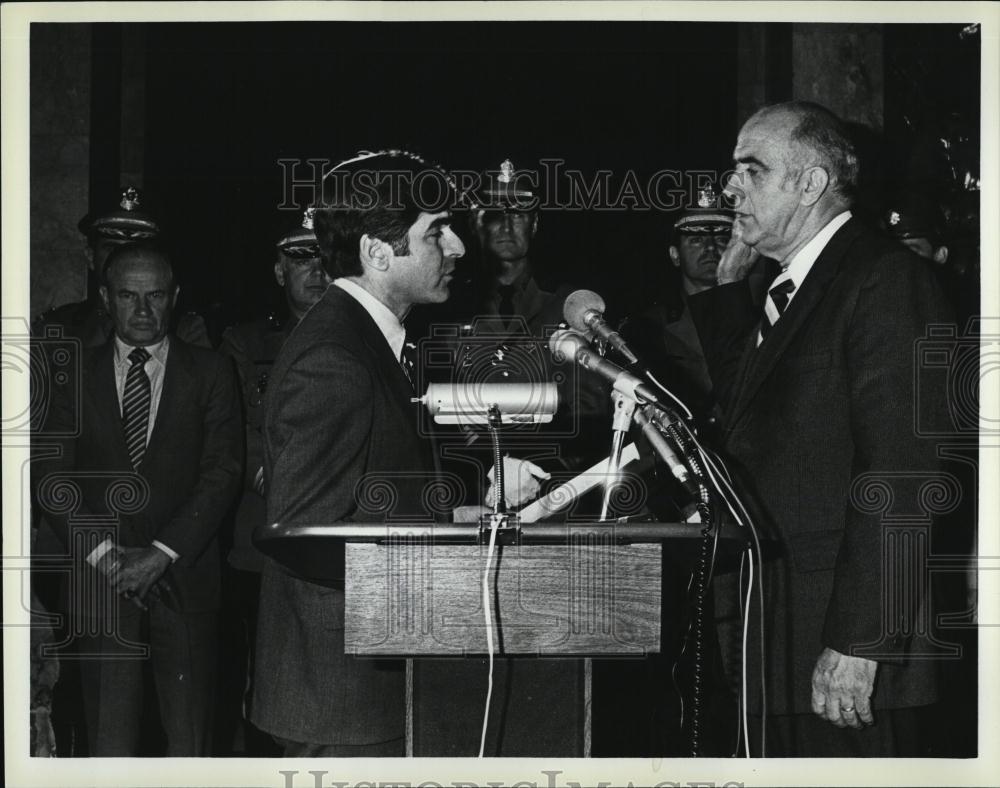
894, 218
130, 199
706, 198
307, 218
506, 172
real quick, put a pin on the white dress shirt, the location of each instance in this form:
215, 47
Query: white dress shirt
156, 369
799, 266
802, 263
384, 318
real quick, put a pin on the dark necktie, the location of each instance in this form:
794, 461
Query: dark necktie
136, 400
506, 308
406, 361
775, 305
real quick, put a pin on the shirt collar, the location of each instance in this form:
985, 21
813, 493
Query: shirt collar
158, 352
803, 260
384, 318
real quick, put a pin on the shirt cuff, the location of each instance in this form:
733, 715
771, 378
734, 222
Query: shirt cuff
173, 556
98, 552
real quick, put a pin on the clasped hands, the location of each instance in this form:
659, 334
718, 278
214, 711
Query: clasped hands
133, 571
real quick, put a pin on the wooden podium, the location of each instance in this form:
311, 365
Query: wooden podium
561, 594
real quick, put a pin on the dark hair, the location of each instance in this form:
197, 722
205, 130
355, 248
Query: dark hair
826, 136
151, 249
380, 195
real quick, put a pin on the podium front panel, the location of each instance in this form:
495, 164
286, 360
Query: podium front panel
589, 597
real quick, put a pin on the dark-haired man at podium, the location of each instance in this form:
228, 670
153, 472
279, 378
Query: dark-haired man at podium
337, 410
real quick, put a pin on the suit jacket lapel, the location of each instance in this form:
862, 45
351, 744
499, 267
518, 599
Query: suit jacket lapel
176, 386
105, 392
758, 362
373, 337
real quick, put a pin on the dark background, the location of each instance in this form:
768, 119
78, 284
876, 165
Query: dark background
225, 101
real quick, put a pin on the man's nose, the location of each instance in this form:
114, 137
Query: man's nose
733, 187
453, 245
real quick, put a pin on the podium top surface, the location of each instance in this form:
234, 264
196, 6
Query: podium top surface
470, 533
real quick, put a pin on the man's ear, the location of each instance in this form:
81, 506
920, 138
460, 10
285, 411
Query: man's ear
89, 253
675, 256
177, 292
814, 183
941, 255
279, 272
375, 253
105, 299
534, 224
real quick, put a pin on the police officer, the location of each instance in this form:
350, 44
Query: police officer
254, 346
664, 334
505, 224
914, 219
106, 230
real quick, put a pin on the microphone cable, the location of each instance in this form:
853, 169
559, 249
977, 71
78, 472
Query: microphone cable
687, 411
499, 504
489, 631
718, 473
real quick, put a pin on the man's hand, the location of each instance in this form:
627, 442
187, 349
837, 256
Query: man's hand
842, 689
139, 568
736, 261
521, 481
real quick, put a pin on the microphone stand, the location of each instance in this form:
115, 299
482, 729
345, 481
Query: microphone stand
506, 525
624, 412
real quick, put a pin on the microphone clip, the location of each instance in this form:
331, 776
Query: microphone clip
508, 527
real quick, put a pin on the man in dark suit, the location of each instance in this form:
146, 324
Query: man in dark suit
160, 420
337, 410
254, 347
817, 393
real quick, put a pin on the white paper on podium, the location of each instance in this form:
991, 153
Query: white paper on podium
563, 495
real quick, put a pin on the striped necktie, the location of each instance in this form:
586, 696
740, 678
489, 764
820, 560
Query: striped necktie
775, 305
136, 400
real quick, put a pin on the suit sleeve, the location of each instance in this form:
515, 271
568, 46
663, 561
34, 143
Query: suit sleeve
895, 305
725, 316
196, 521
317, 428
234, 346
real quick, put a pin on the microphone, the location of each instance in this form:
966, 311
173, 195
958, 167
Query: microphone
567, 343
584, 311
470, 403
660, 446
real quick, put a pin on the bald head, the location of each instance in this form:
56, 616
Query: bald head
795, 171
139, 293
133, 254
815, 137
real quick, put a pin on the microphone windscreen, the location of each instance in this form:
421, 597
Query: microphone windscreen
578, 304
565, 343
